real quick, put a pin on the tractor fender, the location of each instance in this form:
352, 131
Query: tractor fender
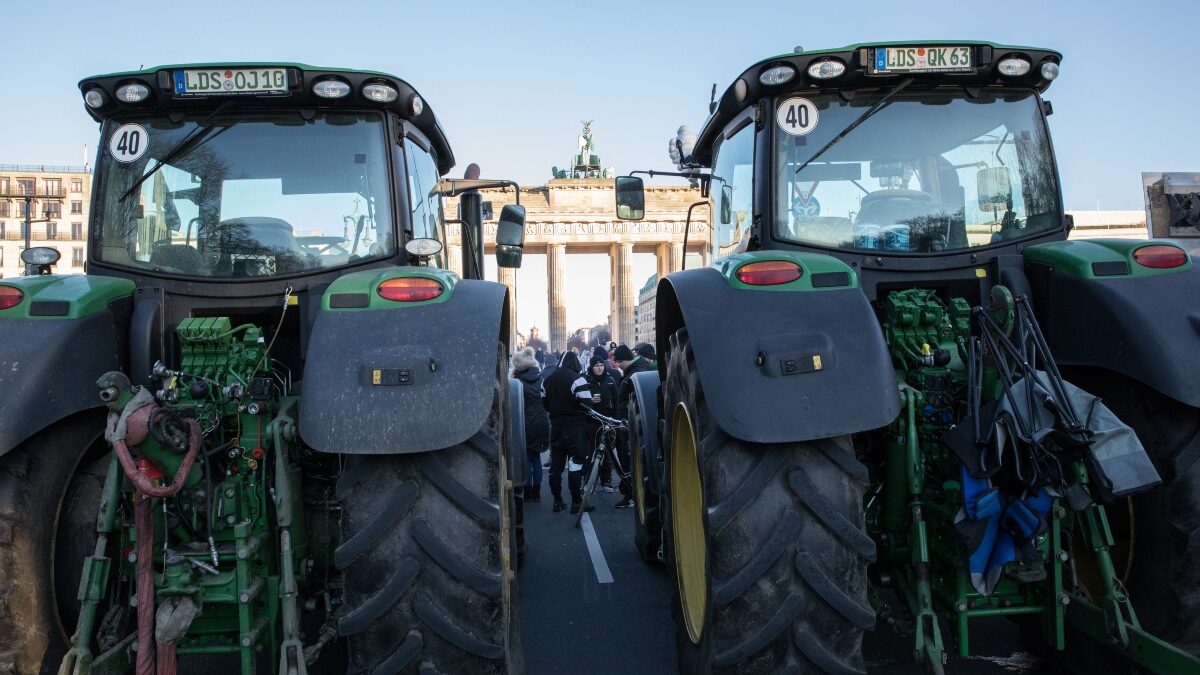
397, 378
65, 334
645, 390
781, 365
1143, 325
518, 463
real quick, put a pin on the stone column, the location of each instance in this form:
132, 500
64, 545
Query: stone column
454, 259
555, 285
508, 277
676, 255
662, 255
623, 265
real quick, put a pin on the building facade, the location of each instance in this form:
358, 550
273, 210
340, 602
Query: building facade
57, 198
643, 314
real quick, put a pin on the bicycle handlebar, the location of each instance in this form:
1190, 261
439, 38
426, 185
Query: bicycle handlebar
612, 422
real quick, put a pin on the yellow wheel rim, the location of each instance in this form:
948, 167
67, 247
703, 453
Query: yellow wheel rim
687, 524
639, 490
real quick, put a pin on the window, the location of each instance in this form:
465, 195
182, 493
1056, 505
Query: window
732, 191
1, 229
22, 208
51, 209
76, 231
77, 256
26, 186
1, 256
53, 186
425, 205
77, 185
52, 230
76, 207
4, 207
4, 185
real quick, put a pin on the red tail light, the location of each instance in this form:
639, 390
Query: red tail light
10, 296
769, 272
1160, 256
410, 289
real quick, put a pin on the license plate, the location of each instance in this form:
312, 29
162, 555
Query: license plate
923, 60
220, 81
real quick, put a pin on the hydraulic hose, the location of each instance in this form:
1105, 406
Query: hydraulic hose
152, 659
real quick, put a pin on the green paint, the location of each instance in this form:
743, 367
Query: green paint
87, 295
810, 263
1075, 258
367, 281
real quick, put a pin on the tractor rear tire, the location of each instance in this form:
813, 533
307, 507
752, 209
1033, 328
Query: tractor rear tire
767, 543
50, 489
429, 584
647, 516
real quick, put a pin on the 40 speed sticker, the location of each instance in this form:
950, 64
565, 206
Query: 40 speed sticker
128, 143
797, 116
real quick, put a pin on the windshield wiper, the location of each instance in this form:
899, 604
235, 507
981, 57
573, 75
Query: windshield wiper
194, 135
879, 105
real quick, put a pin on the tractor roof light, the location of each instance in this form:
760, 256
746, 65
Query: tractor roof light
769, 273
94, 98
133, 92
777, 74
1049, 70
331, 88
826, 69
410, 289
1013, 66
1160, 256
417, 105
10, 296
380, 93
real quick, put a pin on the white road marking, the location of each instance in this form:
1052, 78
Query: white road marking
603, 575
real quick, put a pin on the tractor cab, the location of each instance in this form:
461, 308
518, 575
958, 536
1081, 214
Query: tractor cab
892, 157
239, 173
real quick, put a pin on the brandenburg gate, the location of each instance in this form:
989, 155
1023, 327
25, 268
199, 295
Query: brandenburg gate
578, 215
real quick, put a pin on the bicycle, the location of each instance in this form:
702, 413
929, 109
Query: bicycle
606, 442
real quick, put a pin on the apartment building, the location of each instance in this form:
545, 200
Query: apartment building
57, 197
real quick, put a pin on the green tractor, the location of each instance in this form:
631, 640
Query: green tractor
879, 403
284, 436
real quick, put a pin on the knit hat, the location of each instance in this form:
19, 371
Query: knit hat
645, 350
594, 360
623, 353
601, 352
524, 360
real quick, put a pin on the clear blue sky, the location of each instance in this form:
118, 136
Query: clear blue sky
511, 81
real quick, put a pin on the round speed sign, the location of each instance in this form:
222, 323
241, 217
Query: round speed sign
797, 116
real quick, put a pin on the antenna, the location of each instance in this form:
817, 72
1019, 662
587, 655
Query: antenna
712, 100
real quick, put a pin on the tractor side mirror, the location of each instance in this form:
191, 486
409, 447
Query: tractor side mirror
631, 198
510, 236
993, 187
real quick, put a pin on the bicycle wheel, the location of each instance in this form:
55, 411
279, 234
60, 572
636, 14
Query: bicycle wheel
588, 488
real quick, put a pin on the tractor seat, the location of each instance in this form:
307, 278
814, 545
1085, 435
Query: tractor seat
178, 256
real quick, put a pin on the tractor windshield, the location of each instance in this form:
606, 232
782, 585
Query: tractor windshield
927, 172
243, 195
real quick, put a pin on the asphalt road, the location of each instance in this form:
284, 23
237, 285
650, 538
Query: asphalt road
611, 613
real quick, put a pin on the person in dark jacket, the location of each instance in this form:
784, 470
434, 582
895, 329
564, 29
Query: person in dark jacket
537, 423
631, 363
567, 400
603, 386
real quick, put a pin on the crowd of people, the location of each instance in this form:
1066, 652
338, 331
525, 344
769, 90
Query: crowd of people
560, 390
